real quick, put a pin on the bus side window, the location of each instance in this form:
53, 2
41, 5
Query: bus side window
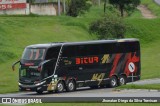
81, 50
68, 51
125, 47
108, 48
52, 53
88, 50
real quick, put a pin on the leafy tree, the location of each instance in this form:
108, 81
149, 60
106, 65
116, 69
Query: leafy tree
125, 5
108, 27
75, 7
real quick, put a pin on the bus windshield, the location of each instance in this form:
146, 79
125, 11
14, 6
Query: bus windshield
30, 74
33, 54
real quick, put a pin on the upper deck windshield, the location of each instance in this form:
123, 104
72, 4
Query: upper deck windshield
33, 54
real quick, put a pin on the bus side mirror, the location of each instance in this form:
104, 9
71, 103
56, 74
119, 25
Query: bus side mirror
13, 65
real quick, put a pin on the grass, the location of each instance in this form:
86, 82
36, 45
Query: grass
155, 8
133, 86
8, 80
135, 14
144, 29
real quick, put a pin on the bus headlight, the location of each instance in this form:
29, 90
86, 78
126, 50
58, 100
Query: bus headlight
19, 83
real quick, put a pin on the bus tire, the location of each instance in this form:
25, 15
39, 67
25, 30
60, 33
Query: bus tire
39, 91
122, 80
71, 86
60, 87
113, 82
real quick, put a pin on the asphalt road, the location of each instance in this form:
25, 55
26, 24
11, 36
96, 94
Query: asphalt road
87, 92
101, 92
147, 81
157, 1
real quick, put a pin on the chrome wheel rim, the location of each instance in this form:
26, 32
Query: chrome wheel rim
122, 81
71, 86
113, 82
60, 87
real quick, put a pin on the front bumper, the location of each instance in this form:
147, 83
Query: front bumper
39, 86
42, 86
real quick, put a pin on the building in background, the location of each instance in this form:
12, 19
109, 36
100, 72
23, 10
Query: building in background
25, 7
13, 7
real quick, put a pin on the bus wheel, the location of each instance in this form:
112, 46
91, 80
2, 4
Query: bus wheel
60, 86
122, 80
113, 82
71, 86
39, 91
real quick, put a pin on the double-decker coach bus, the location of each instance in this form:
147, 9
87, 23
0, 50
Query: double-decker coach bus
69, 65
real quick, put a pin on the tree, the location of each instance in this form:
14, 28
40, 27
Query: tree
125, 5
105, 3
75, 7
108, 27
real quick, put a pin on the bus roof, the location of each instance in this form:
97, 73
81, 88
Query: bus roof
48, 45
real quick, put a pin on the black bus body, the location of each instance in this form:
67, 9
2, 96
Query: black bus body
67, 66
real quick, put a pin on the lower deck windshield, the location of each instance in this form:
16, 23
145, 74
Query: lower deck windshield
29, 74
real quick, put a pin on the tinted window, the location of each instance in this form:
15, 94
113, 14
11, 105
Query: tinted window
124, 47
93, 49
52, 53
108, 48
87, 50
68, 51
33, 54
82, 50
119, 47
97, 49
